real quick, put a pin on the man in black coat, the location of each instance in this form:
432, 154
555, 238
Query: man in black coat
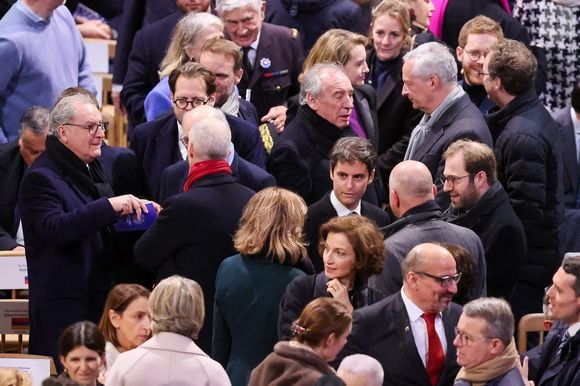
193, 233
393, 330
479, 202
15, 158
352, 169
527, 150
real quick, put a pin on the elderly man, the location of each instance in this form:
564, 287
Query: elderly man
272, 57
411, 332
32, 34
527, 149
479, 202
361, 370
299, 159
484, 339
475, 40
430, 83
193, 233
352, 169
560, 356
411, 198
67, 207
15, 158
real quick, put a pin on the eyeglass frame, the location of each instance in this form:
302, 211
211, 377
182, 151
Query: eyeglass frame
92, 129
451, 180
465, 339
444, 281
479, 54
200, 101
184, 139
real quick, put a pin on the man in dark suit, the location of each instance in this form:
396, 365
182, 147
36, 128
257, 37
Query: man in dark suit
193, 233
430, 83
15, 158
67, 207
411, 332
273, 57
352, 169
147, 52
157, 144
479, 202
412, 200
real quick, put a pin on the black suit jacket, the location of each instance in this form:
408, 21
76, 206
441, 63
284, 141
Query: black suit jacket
12, 168
244, 172
382, 330
322, 211
569, 156
274, 79
193, 234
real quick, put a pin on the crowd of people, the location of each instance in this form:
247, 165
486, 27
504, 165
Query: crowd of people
352, 192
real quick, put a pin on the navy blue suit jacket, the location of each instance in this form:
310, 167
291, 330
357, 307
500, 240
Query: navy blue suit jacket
156, 147
12, 168
382, 330
244, 172
123, 171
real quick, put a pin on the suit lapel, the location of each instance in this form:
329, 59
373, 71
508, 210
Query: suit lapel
387, 89
569, 150
261, 52
364, 113
166, 144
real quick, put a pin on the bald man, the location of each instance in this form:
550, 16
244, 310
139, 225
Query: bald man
412, 200
411, 332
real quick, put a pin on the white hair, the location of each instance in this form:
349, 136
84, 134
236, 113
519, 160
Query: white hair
363, 366
433, 59
222, 6
210, 137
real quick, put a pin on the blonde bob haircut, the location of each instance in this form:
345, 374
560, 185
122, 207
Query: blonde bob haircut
399, 11
177, 306
272, 224
185, 34
333, 46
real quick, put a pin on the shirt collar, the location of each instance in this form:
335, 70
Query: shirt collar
575, 121
413, 311
574, 328
342, 210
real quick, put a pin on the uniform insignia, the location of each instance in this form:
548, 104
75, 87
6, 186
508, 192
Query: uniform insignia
265, 63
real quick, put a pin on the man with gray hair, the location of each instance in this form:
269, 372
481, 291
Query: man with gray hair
486, 350
430, 83
193, 233
15, 158
299, 160
361, 370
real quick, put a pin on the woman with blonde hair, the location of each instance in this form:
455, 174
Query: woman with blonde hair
189, 35
249, 285
320, 333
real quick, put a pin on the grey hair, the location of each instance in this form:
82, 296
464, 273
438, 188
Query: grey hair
433, 59
312, 84
222, 6
65, 110
210, 137
35, 119
177, 306
496, 313
351, 149
571, 265
363, 366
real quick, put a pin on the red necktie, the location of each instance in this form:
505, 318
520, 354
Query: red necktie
435, 356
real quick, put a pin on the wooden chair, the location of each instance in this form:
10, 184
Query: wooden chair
30, 356
531, 323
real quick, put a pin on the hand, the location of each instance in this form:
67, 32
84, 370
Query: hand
94, 28
276, 116
116, 97
129, 204
339, 292
523, 368
18, 248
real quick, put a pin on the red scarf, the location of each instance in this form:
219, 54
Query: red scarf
203, 168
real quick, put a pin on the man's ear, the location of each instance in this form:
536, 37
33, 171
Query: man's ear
311, 100
434, 190
238, 75
459, 53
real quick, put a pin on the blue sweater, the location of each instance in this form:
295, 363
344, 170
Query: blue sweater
40, 58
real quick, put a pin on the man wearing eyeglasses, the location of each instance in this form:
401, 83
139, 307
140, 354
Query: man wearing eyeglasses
486, 350
67, 209
479, 202
411, 332
412, 200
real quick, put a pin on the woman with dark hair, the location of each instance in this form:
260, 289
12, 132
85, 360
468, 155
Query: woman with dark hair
352, 250
466, 265
319, 334
249, 285
125, 322
82, 353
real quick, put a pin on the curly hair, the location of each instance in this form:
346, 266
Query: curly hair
514, 64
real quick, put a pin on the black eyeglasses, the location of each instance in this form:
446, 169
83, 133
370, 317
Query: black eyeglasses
183, 103
451, 180
91, 128
445, 281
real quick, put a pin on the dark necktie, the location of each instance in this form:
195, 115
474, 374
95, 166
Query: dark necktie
435, 356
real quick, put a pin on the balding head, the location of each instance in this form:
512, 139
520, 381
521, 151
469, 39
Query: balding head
410, 185
208, 132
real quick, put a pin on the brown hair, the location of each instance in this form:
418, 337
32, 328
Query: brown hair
272, 224
193, 70
514, 64
224, 47
479, 25
118, 299
398, 11
466, 265
366, 240
477, 157
320, 318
